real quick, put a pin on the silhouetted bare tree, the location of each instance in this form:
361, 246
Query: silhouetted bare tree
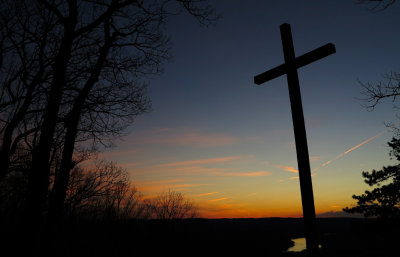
171, 205
24, 74
73, 71
103, 191
387, 89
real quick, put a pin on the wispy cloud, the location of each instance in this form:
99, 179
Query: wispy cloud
206, 194
196, 169
315, 158
220, 199
201, 161
222, 172
199, 139
245, 174
183, 137
168, 181
162, 185
287, 168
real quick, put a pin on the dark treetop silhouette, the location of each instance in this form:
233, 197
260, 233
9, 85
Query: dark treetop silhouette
290, 69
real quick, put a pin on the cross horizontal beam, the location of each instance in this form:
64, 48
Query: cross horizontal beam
300, 61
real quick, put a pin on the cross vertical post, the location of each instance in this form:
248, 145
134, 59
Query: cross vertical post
307, 196
290, 69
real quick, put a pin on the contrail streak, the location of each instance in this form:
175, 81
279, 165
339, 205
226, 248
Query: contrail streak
352, 149
366, 141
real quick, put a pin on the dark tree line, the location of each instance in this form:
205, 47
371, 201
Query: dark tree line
102, 191
73, 76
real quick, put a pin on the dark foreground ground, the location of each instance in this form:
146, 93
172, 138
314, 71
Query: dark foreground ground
203, 237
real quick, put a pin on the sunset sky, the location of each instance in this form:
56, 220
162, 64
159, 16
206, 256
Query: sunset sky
228, 144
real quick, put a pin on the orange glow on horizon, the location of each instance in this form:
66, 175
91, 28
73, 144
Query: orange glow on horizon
246, 213
230, 212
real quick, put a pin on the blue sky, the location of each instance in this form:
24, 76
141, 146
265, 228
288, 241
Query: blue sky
228, 143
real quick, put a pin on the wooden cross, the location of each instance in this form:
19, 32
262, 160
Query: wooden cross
290, 69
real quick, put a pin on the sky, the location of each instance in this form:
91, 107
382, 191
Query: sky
228, 144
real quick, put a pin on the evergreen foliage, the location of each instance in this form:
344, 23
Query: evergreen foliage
383, 200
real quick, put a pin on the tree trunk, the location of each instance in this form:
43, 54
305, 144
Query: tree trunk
56, 203
40, 170
61, 184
